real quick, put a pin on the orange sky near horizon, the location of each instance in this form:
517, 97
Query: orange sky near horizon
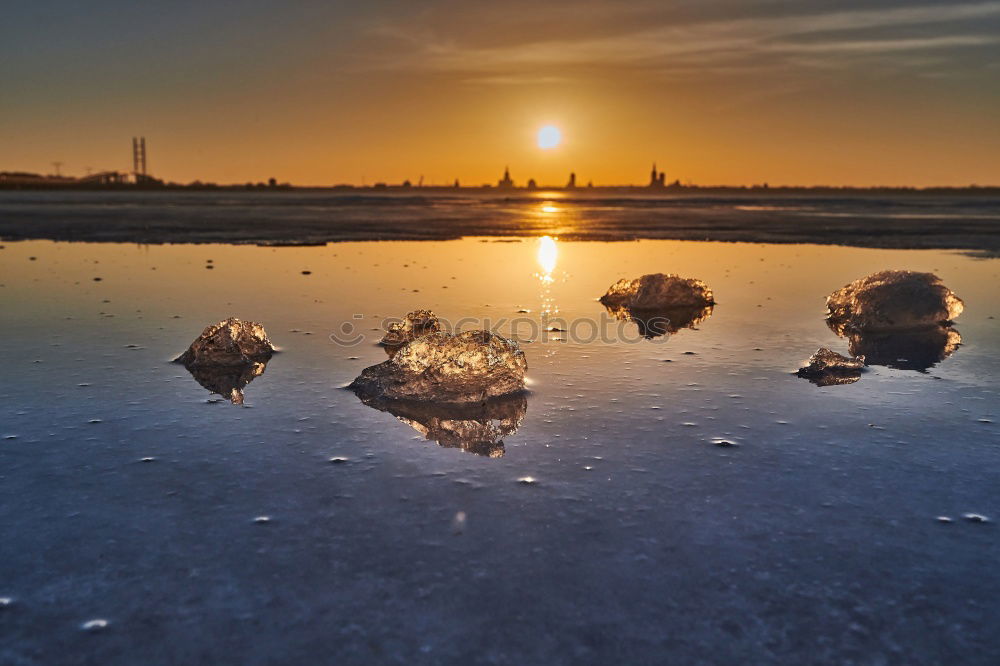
837, 94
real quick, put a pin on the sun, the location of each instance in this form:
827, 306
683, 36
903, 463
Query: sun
549, 137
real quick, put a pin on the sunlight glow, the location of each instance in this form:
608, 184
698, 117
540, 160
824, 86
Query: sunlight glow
549, 137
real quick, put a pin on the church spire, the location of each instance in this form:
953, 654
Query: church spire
506, 182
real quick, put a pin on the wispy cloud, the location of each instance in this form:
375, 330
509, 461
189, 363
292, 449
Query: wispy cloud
774, 40
875, 46
518, 80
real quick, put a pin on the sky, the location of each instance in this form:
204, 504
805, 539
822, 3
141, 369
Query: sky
834, 92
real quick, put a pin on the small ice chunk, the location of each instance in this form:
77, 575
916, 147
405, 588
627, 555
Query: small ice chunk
826, 367
229, 342
413, 325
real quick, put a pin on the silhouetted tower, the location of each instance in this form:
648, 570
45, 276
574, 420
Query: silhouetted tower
139, 157
657, 178
506, 182
572, 181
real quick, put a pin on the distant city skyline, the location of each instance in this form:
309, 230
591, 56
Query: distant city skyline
657, 180
835, 92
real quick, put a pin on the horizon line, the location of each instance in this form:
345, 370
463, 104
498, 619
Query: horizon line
16, 179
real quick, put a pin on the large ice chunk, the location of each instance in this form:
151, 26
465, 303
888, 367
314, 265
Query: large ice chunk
468, 367
658, 291
660, 304
892, 300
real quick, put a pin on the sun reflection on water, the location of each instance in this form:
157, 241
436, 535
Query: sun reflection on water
551, 218
548, 253
547, 256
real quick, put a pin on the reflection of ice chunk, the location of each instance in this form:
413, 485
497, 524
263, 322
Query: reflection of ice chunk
653, 323
468, 367
227, 380
477, 428
892, 300
827, 368
414, 324
917, 349
230, 342
659, 303
658, 292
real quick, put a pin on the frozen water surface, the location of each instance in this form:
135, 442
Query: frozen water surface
610, 530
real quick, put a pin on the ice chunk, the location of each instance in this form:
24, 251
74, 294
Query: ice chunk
230, 342
892, 300
660, 304
414, 325
227, 356
827, 368
468, 367
658, 291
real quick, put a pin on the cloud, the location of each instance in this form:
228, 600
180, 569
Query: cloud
719, 44
518, 80
887, 45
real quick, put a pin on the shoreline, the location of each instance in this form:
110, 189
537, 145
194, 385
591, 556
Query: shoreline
671, 190
282, 218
